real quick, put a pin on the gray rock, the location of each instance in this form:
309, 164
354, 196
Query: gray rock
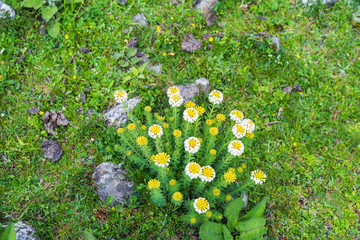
244, 198
141, 20
156, 69
297, 88
6, 10
287, 89
205, 6
80, 110
82, 97
191, 90
90, 112
34, 110
311, 2
84, 50
117, 115
52, 150
276, 43
53, 120
211, 18
111, 181
122, 2
133, 43
190, 44
24, 231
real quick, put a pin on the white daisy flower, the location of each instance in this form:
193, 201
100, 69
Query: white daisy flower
236, 116
238, 130
201, 205
155, 131
258, 177
192, 145
173, 90
192, 170
190, 115
207, 174
249, 125
162, 159
120, 96
175, 100
216, 97
236, 148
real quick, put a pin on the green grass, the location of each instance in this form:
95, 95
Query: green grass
311, 158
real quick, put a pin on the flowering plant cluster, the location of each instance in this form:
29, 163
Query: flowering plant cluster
190, 156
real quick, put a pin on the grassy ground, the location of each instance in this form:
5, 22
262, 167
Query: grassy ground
311, 157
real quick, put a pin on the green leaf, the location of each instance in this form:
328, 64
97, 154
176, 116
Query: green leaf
131, 52
54, 29
36, 4
250, 224
211, 231
135, 71
227, 233
257, 211
88, 236
126, 78
135, 60
118, 55
109, 199
232, 212
49, 12
8, 233
124, 63
253, 234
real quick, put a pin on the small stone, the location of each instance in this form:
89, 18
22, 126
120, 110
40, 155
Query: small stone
110, 180
52, 150
210, 18
193, 89
287, 89
205, 6
42, 182
209, 46
82, 97
125, 31
80, 110
53, 120
190, 44
175, 2
276, 43
42, 30
156, 69
6, 10
84, 50
206, 36
117, 115
311, 2
122, 2
141, 20
90, 112
34, 110
24, 231
219, 25
133, 43
297, 88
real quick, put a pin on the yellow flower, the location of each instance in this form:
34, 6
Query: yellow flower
240, 170
200, 110
166, 125
208, 214
74, 77
232, 170
158, 29
230, 177
113, 208
201, 205
294, 144
220, 117
120, 130
209, 122
143, 127
220, 216
212, 151
200, 140
172, 18
171, 119
172, 182
177, 196
298, 56
250, 135
213, 131
128, 153
159, 116
91, 26
141, 141
41, 113
190, 104
228, 198
131, 126
147, 108
2, 62
153, 184
66, 37
244, 165
162, 159
177, 133
1, 77
164, 54
193, 220
273, 114
172, 54
153, 158
192, 24
211, 39
216, 192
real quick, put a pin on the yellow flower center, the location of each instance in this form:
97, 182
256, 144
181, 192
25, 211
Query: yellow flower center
240, 170
120, 130
174, 90
162, 158
193, 220
240, 129
212, 151
202, 204
232, 169
176, 97
155, 130
177, 196
194, 168
238, 114
190, 104
237, 145
259, 175
220, 117
213, 131
193, 143
230, 177
120, 94
153, 183
208, 122
131, 126
191, 113
177, 133
250, 135
216, 192
166, 125
172, 182
207, 172
216, 94
142, 141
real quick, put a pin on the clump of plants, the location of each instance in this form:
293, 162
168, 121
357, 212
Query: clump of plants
190, 156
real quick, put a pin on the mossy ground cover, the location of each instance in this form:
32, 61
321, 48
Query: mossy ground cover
311, 158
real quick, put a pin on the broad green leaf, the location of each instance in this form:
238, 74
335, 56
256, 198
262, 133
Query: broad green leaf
141, 76
126, 78
211, 231
227, 233
135, 60
131, 52
54, 29
49, 12
124, 63
257, 211
88, 236
109, 199
36, 4
8, 233
253, 234
135, 71
250, 224
232, 211
118, 55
